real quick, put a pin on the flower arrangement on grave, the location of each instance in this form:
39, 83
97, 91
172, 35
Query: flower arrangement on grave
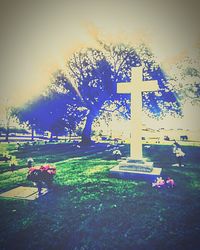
170, 182
42, 174
159, 182
117, 153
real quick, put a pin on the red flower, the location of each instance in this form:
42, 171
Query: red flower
32, 169
44, 168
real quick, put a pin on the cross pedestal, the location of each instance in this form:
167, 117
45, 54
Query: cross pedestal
136, 163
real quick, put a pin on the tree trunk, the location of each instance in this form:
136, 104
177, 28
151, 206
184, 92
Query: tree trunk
7, 133
86, 134
51, 137
32, 133
70, 134
8, 117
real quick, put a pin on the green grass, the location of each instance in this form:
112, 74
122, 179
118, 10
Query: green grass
89, 210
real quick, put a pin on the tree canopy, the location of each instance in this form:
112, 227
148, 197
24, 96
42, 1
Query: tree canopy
184, 76
87, 88
51, 112
94, 74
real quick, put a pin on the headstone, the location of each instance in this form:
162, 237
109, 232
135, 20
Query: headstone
26, 193
136, 164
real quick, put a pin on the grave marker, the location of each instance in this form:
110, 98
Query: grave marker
25, 193
136, 163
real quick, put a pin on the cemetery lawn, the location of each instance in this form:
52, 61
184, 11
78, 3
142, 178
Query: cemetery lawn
89, 210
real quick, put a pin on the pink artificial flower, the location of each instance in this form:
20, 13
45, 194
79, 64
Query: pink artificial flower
158, 183
170, 182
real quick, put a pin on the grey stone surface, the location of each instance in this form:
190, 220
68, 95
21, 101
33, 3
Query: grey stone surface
26, 193
136, 165
121, 173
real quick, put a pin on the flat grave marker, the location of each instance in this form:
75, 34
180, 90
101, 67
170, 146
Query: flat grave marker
25, 193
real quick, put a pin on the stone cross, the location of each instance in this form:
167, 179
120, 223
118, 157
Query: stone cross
136, 87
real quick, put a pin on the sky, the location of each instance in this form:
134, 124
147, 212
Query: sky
37, 37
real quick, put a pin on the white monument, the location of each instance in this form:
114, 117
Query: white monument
136, 163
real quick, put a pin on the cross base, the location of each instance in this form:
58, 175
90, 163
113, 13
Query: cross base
136, 165
135, 169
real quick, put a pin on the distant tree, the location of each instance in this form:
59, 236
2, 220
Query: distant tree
73, 118
8, 119
28, 115
66, 103
2, 130
184, 77
50, 112
13, 130
94, 74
